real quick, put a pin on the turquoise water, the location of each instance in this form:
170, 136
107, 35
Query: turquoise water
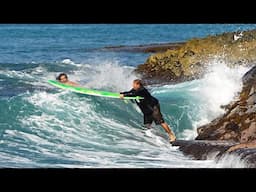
41, 126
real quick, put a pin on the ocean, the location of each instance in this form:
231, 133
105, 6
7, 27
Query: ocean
44, 127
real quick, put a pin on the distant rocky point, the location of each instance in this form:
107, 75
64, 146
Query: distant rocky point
150, 48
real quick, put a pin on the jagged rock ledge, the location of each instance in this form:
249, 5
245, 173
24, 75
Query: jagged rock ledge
190, 60
203, 149
150, 48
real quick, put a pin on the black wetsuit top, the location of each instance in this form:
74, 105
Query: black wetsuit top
146, 105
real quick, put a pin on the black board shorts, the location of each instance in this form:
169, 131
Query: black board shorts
156, 116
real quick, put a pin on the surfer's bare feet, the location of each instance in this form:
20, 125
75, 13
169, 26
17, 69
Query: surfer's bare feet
172, 137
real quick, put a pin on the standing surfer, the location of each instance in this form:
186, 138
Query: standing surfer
149, 106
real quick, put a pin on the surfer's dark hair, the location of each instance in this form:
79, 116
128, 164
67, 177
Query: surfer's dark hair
138, 81
62, 74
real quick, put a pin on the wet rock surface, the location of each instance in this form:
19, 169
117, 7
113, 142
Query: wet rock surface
201, 149
204, 149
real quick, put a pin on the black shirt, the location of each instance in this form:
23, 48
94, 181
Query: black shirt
146, 105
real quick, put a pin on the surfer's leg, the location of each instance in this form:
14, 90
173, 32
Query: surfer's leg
169, 131
148, 120
147, 126
158, 118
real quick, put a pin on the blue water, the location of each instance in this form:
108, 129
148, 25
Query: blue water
41, 126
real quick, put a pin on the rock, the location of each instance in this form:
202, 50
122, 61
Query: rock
238, 124
189, 60
232, 126
151, 48
251, 109
216, 149
249, 155
252, 99
249, 76
200, 150
249, 134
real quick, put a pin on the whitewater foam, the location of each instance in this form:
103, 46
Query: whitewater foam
220, 85
68, 61
111, 76
229, 161
16, 74
199, 101
94, 141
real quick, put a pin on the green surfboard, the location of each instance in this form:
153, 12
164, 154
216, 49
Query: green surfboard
86, 91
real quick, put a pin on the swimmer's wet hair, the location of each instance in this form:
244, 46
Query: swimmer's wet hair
62, 74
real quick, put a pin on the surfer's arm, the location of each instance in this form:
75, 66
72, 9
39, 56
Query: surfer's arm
130, 93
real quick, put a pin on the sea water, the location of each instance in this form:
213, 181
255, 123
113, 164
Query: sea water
43, 126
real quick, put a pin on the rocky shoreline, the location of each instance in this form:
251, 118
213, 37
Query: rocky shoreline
216, 149
201, 149
236, 128
189, 60
150, 48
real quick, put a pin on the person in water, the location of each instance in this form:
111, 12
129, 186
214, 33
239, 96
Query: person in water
63, 78
149, 106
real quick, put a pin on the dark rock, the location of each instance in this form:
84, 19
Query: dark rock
201, 149
249, 155
232, 126
151, 48
252, 99
249, 76
189, 53
216, 149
